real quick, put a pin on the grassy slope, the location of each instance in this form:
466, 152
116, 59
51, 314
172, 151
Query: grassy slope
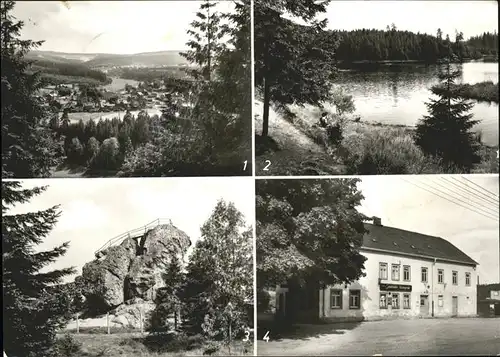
291, 152
367, 148
131, 344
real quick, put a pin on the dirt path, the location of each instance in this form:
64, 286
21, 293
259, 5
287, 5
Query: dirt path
284, 133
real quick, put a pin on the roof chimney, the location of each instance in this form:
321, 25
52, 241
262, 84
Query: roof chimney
377, 221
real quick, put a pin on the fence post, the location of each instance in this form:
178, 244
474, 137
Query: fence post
77, 324
107, 322
141, 323
230, 337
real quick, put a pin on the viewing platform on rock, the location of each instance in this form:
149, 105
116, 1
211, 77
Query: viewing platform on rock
134, 233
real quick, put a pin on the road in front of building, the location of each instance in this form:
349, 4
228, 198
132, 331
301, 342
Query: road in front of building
459, 336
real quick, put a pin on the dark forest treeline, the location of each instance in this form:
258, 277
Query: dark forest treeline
396, 45
68, 69
151, 74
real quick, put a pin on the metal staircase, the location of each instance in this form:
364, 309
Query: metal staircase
134, 233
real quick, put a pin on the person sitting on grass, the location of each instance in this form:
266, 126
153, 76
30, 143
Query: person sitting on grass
323, 120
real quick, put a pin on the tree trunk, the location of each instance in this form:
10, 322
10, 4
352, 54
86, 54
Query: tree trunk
267, 100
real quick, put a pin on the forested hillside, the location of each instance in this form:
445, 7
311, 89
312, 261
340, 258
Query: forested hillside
57, 72
395, 45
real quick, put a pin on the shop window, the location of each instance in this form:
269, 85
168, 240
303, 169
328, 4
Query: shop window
336, 299
424, 275
383, 271
395, 272
383, 300
406, 273
354, 299
395, 300
440, 276
406, 301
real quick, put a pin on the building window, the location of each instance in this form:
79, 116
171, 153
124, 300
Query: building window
395, 272
354, 299
424, 275
383, 271
406, 273
440, 276
336, 299
454, 277
395, 300
406, 301
467, 279
440, 300
383, 300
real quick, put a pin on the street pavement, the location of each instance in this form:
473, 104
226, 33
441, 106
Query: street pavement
446, 337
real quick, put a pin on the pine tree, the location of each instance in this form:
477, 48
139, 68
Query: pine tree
168, 300
31, 314
446, 132
29, 148
205, 43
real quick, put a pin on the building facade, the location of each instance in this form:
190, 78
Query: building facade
488, 300
408, 275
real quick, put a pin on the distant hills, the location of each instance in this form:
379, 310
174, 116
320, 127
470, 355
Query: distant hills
99, 60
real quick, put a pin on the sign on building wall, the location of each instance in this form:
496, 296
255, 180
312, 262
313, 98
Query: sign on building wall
395, 287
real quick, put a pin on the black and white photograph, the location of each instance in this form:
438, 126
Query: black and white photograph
378, 266
375, 87
126, 88
128, 267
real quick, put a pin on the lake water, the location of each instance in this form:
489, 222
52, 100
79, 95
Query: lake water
397, 94
118, 84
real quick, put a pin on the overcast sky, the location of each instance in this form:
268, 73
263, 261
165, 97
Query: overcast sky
96, 210
123, 27
470, 17
399, 203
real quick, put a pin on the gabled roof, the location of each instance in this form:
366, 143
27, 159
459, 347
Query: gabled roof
412, 243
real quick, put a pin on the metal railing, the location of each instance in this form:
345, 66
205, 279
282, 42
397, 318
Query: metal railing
138, 232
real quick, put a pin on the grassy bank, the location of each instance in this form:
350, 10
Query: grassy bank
366, 149
137, 345
483, 91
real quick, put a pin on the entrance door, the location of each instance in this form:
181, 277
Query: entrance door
281, 305
454, 306
424, 305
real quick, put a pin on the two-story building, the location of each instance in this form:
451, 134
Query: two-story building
408, 275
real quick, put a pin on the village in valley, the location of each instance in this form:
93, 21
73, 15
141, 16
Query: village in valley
75, 98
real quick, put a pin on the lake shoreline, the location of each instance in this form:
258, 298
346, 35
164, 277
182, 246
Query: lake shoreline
344, 63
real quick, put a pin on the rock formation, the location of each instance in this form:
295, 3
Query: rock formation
133, 269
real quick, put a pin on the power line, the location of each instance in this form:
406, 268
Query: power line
482, 188
486, 197
465, 202
472, 191
470, 202
466, 207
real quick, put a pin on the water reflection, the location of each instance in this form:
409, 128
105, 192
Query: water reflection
397, 94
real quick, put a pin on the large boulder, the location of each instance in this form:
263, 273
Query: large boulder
157, 249
130, 315
133, 269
